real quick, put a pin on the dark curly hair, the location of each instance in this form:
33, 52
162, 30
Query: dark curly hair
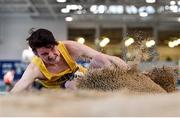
41, 38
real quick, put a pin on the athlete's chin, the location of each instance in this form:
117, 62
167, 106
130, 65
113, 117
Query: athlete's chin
51, 63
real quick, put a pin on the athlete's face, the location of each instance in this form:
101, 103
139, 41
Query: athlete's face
50, 54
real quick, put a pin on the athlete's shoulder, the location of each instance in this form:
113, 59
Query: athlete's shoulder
34, 70
71, 44
33, 67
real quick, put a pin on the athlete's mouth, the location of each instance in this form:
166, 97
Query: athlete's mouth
51, 59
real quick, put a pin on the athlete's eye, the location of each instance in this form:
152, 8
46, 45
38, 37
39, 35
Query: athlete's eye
44, 54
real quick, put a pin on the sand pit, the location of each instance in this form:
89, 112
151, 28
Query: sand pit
89, 103
121, 93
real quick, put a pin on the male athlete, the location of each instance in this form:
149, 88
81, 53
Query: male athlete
54, 62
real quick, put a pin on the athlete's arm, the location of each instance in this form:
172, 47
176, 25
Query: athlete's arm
77, 49
27, 78
118, 61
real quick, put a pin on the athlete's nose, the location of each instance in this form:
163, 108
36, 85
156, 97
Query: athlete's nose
51, 55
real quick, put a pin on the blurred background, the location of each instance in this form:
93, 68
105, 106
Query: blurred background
114, 27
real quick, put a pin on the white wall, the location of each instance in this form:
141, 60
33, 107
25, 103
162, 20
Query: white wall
14, 31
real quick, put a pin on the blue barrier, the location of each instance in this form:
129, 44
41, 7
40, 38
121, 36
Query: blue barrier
16, 65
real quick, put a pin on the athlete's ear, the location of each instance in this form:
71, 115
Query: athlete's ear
35, 52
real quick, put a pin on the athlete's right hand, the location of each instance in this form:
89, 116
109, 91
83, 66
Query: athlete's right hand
71, 84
